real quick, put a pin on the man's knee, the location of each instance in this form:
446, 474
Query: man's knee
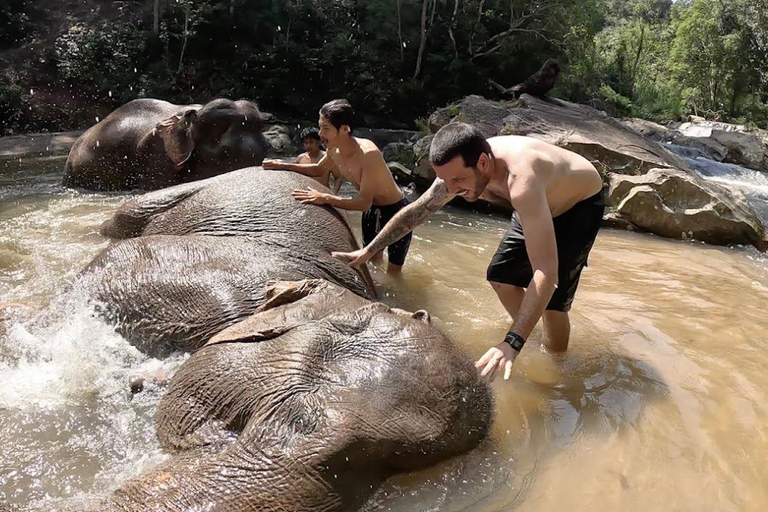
505, 288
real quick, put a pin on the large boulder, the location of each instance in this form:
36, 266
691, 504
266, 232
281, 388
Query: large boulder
488, 116
747, 149
383, 136
675, 204
279, 137
580, 128
648, 129
589, 132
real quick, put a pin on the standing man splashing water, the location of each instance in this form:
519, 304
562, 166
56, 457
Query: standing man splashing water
558, 202
360, 162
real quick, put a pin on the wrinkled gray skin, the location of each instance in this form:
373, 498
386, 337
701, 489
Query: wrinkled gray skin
149, 144
204, 251
308, 405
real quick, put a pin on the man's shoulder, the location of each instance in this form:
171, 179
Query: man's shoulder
367, 146
304, 157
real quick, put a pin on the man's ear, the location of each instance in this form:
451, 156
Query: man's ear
484, 161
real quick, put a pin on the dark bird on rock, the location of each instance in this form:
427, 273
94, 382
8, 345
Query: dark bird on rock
538, 84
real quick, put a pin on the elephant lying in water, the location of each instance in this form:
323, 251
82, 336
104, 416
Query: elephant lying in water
149, 144
203, 252
302, 394
309, 404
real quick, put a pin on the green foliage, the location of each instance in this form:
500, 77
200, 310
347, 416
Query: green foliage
14, 22
648, 58
14, 109
106, 58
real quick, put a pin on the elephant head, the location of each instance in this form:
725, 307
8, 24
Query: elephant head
221, 136
309, 404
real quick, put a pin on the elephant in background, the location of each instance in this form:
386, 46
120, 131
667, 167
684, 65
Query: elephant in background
308, 405
195, 258
149, 144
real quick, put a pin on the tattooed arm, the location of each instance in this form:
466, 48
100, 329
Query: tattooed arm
402, 223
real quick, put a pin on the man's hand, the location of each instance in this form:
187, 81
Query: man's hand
500, 356
354, 258
272, 164
310, 196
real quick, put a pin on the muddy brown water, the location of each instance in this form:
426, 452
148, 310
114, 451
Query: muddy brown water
659, 404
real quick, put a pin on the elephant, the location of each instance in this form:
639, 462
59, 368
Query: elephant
150, 144
191, 260
309, 404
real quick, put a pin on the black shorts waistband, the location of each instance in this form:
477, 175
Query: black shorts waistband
390, 208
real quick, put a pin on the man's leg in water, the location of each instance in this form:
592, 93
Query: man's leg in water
510, 296
557, 327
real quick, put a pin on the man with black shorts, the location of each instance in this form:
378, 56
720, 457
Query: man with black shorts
558, 202
360, 162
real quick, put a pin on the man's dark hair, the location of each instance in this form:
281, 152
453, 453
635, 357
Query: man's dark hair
458, 139
310, 133
339, 113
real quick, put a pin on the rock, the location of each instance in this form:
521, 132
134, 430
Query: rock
381, 136
589, 132
279, 137
616, 221
709, 148
488, 116
421, 157
747, 149
401, 152
648, 129
37, 145
674, 204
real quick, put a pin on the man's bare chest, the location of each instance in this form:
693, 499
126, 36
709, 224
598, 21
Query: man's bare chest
352, 170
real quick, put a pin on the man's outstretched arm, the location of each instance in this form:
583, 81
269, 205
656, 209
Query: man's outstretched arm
312, 170
402, 223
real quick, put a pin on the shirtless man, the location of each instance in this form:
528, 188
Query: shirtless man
360, 162
558, 202
310, 139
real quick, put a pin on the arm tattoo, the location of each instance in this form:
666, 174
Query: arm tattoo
411, 216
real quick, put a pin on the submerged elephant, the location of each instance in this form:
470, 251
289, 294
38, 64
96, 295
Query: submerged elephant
308, 405
149, 144
202, 253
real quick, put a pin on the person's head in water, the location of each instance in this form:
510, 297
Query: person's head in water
335, 122
462, 158
311, 140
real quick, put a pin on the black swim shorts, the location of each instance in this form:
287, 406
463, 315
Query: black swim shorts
575, 232
373, 222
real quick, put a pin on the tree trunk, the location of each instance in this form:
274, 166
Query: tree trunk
474, 27
633, 76
422, 44
400, 32
450, 29
186, 36
156, 19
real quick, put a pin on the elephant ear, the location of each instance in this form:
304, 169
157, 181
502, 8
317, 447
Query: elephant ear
291, 304
176, 133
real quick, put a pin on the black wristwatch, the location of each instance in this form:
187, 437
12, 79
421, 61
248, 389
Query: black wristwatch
514, 340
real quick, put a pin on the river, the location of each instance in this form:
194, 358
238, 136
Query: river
659, 404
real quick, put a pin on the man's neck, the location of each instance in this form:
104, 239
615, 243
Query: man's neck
347, 146
497, 174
